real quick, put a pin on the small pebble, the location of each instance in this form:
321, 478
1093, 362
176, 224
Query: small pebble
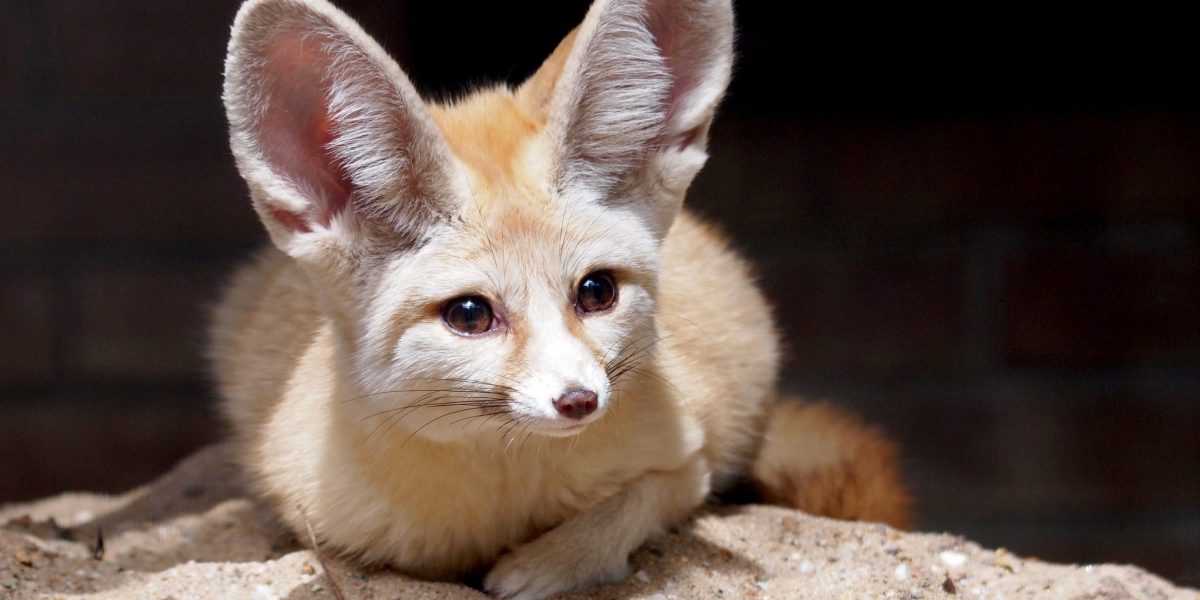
307, 569
953, 559
23, 557
915, 594
642, 576
901, 572
807, 567
262, 592
1003, 561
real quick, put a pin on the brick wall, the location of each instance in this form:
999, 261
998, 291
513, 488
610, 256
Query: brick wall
985, 237
120, 219
1028, 333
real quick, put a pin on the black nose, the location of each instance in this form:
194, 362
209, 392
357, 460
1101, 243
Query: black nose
576, 404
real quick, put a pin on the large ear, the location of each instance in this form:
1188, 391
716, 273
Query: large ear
327, 130
628, 98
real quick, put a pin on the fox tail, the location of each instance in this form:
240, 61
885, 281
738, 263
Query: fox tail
826, 461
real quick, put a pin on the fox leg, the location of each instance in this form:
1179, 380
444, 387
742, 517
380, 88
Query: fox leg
825, 461
594, 547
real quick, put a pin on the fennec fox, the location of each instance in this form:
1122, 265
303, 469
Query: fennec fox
487, 338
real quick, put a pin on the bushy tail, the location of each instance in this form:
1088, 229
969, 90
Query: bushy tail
825, 461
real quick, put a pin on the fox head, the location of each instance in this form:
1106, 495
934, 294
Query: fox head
491, 260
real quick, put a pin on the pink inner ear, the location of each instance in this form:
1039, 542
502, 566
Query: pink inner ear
296, 129
667, 21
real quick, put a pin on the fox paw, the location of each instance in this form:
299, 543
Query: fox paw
536, 570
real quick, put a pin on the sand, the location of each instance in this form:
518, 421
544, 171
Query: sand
195, 534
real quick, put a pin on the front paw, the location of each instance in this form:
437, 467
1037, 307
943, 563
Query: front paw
537, 570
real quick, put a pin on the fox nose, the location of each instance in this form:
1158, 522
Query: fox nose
576, 403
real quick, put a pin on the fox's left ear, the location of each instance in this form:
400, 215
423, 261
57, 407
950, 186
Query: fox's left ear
628, 98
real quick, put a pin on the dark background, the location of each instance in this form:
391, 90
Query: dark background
980, 229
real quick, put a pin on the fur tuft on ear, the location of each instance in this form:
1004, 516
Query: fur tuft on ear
634, 90
611, 101
326, 129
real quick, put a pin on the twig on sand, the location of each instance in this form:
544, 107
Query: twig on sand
312, 537
98, 547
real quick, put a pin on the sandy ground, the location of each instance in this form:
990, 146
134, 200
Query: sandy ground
194, 534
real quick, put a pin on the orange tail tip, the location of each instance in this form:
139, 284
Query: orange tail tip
825, 461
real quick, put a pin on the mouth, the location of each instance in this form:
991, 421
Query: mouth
552, 429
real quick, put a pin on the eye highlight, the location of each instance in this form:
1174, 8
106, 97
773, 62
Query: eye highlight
468, 315
597, 292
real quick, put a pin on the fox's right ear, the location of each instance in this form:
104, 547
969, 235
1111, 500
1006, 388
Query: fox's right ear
335, 143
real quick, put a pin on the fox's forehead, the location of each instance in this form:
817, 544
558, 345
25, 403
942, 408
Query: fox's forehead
515, 249
513, 228
496, 140
530, 239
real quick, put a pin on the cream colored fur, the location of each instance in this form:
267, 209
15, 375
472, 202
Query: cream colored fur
406, 444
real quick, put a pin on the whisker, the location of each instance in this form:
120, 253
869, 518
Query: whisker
504, 432
420, 390
688, 321
489, 418
478, 386
389, 421
629, 343
438, 403
515, 422
524, 440
433, 420
627, 358
469, 418
642, 371
400, 415
411, 407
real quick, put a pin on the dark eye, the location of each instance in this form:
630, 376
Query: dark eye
468, 315
597, 292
